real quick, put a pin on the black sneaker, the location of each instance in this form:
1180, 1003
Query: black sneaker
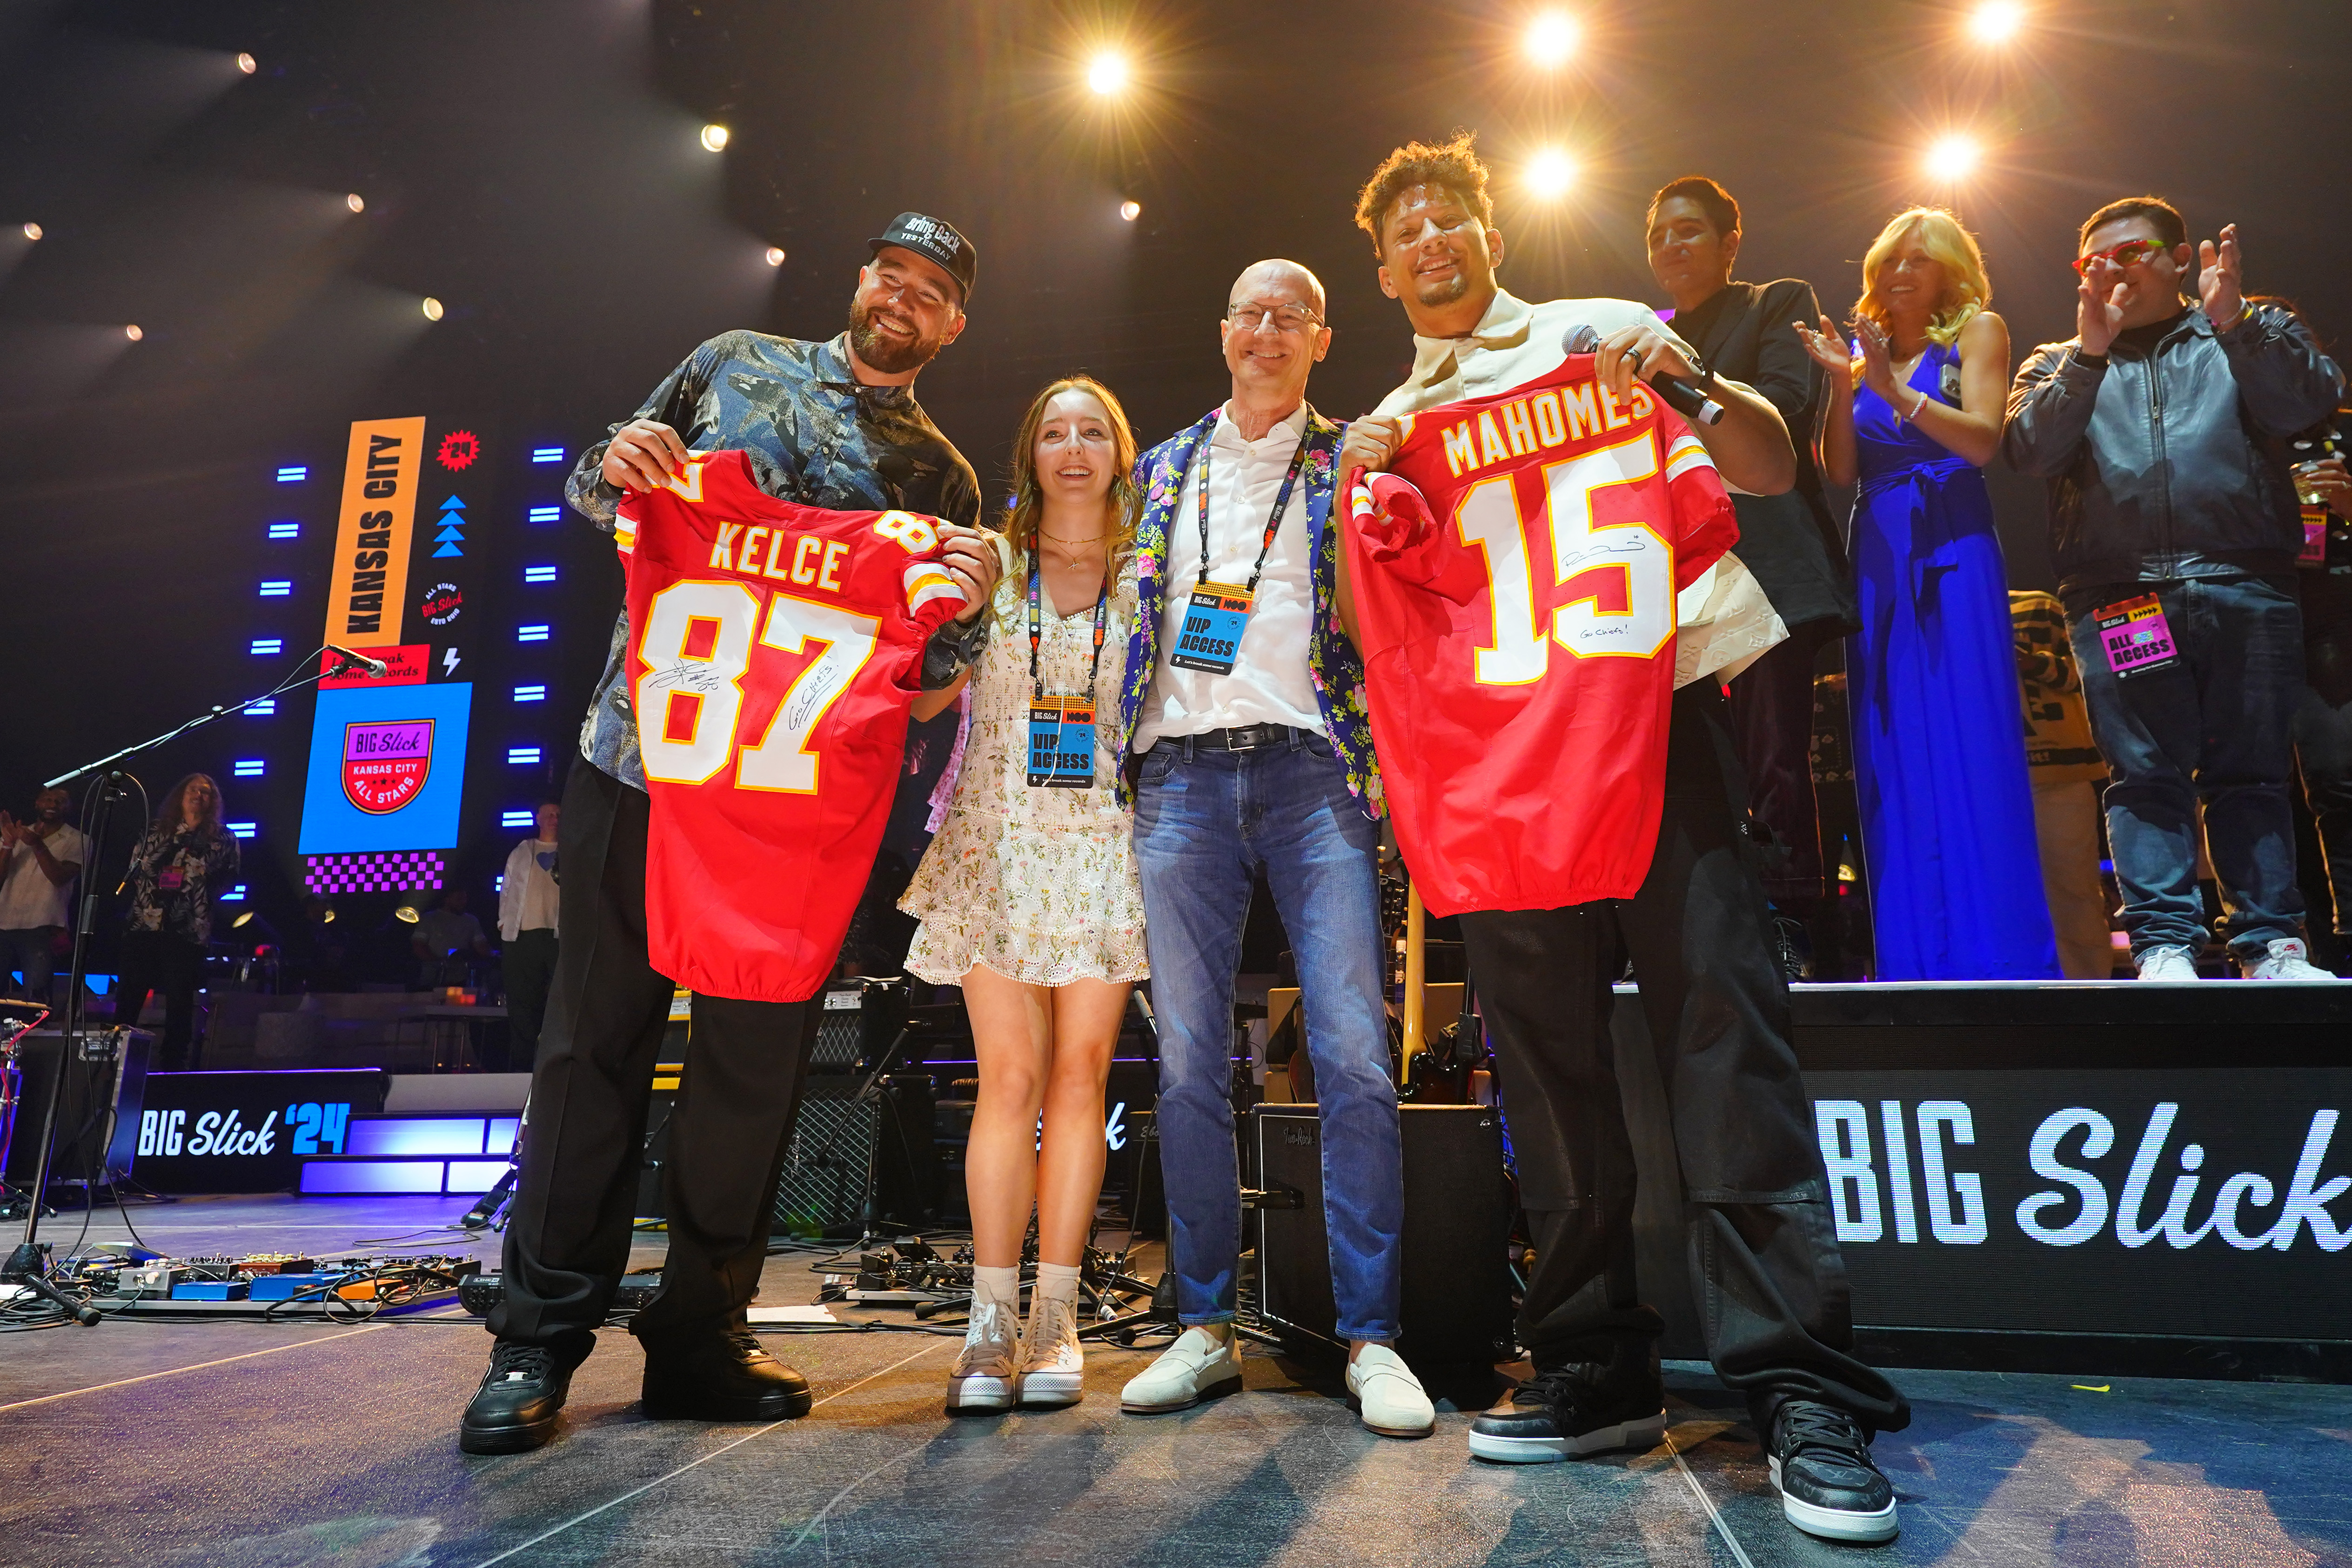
1829, 1487
522, 1397
1566, 1412
720, 1378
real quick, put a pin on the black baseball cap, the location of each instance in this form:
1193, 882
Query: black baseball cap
937, 240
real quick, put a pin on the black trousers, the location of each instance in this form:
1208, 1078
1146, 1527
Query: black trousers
1771, 713
568, 1241
529, 966
1762, 1244
157, 962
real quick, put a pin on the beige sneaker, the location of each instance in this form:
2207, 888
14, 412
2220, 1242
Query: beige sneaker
1389, 1397
1053, 1372
1200, 1364
989, 1367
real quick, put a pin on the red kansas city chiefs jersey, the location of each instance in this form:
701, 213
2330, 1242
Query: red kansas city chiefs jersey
774, 652
1514, 576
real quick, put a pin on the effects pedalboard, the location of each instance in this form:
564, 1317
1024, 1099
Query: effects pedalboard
910, 1273
277, 1285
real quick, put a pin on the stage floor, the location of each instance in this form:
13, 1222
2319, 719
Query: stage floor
244, 1445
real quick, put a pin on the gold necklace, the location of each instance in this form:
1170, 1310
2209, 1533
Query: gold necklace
1058, 540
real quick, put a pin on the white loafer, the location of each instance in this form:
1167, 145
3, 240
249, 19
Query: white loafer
1200, 1366
988, 1369
1389, 1397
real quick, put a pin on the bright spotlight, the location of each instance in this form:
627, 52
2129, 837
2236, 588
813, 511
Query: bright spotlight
1552, 38
776, 256
1953, 158
432, 308
714, 139
355, 202
1549, 174
132, 333
1997, 21
247, 64
1130, 211
32, 231
1107, 74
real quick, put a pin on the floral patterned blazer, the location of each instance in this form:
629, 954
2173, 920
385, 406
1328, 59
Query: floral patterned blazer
1332, 661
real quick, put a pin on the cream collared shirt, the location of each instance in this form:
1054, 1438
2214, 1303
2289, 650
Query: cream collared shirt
1724, 621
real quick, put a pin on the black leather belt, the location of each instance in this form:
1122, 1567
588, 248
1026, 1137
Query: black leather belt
1242, 738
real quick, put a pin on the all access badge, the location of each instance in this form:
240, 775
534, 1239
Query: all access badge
386, 764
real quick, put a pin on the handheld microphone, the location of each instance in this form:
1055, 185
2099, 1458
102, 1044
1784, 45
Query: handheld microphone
359, 661
1680, 395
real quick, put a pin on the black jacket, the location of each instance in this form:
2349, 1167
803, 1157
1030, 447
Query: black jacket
1789, 541
2172, 463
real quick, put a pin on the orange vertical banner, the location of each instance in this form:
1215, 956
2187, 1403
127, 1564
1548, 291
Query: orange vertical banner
369, 593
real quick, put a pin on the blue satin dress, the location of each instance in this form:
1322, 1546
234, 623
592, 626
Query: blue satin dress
1948, 832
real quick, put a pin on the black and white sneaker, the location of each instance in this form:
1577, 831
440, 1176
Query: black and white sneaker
1821, 1466
1568, 1411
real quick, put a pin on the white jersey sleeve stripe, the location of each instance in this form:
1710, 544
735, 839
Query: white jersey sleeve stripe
925, 581
1685, 454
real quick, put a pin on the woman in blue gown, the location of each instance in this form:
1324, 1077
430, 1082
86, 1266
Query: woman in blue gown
1915, 412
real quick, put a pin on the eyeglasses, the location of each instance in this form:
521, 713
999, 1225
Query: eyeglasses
2131, 253
1287, 318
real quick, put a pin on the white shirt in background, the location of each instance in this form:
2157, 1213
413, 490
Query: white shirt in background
1269, 684
28, 898
527, 899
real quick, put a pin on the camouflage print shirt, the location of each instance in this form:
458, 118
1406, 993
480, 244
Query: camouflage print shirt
817, 437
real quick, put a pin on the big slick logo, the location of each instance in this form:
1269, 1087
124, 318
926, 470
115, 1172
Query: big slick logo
385, 764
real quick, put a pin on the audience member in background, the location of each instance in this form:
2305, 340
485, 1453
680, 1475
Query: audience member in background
527, 928
315, 950
2161, 427
39, 858
1789, 541
2065, 766
446, 941
1029, 898
182, 866
1914, 414
2323, 724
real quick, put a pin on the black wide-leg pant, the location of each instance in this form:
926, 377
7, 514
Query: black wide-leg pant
1762, 1245
568, 1240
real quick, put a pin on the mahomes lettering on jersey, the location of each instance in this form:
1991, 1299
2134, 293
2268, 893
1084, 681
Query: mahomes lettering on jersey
1514, 576
774, 650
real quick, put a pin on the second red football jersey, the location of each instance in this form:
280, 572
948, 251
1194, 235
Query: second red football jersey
774, 652
1515, 577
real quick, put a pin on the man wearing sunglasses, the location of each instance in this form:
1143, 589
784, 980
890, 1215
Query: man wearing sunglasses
2162, 429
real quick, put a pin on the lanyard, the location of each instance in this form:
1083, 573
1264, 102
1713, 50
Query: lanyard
1037, 630
1281, 502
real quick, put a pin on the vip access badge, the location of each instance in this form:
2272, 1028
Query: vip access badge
1212, 634
1062, 743
2135, 638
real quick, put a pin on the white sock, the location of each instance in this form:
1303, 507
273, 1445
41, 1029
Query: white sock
1057, 1281
1001, 1286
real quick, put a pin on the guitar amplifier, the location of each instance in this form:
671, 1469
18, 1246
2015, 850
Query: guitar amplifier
1456, 1296
845, 1146
860, 1019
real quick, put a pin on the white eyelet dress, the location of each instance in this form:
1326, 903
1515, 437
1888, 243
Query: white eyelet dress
1039, 885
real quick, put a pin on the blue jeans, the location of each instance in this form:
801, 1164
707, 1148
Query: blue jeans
2216, 727
1205, 819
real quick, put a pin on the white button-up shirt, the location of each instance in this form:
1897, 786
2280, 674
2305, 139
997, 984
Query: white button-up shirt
1269, 682
1726, 622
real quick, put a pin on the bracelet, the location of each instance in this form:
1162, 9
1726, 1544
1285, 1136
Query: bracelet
1918, 402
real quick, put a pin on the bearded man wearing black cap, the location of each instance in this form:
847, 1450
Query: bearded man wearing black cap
830, 424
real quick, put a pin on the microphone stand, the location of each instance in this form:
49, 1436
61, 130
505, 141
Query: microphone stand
28, 1265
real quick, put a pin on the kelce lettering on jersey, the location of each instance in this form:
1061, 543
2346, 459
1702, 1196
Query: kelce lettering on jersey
1514, 574
773, 650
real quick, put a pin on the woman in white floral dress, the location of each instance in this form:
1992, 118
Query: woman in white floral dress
1029, 897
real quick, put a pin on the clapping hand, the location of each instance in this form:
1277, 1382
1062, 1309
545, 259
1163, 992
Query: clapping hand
1877, 361
2098, 305
8, 830
2220, 279
1828, 348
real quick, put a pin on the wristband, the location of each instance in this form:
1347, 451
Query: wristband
1918, 402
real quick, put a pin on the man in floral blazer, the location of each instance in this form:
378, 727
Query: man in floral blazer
1243, 711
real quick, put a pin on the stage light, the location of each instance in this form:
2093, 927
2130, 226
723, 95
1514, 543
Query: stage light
432, 308
1952, 157
776, 256
1549, 174
714, 139
1130, 211
355, 202
32, 231
1107, 74
247, 64
1552, 37
132, 333
239, 922
1997, 21
406, 914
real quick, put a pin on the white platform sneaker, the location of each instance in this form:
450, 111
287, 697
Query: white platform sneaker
1200, 1364
989, 1368
2286, 959
1054, 1371
2166, 964
1389, 1397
